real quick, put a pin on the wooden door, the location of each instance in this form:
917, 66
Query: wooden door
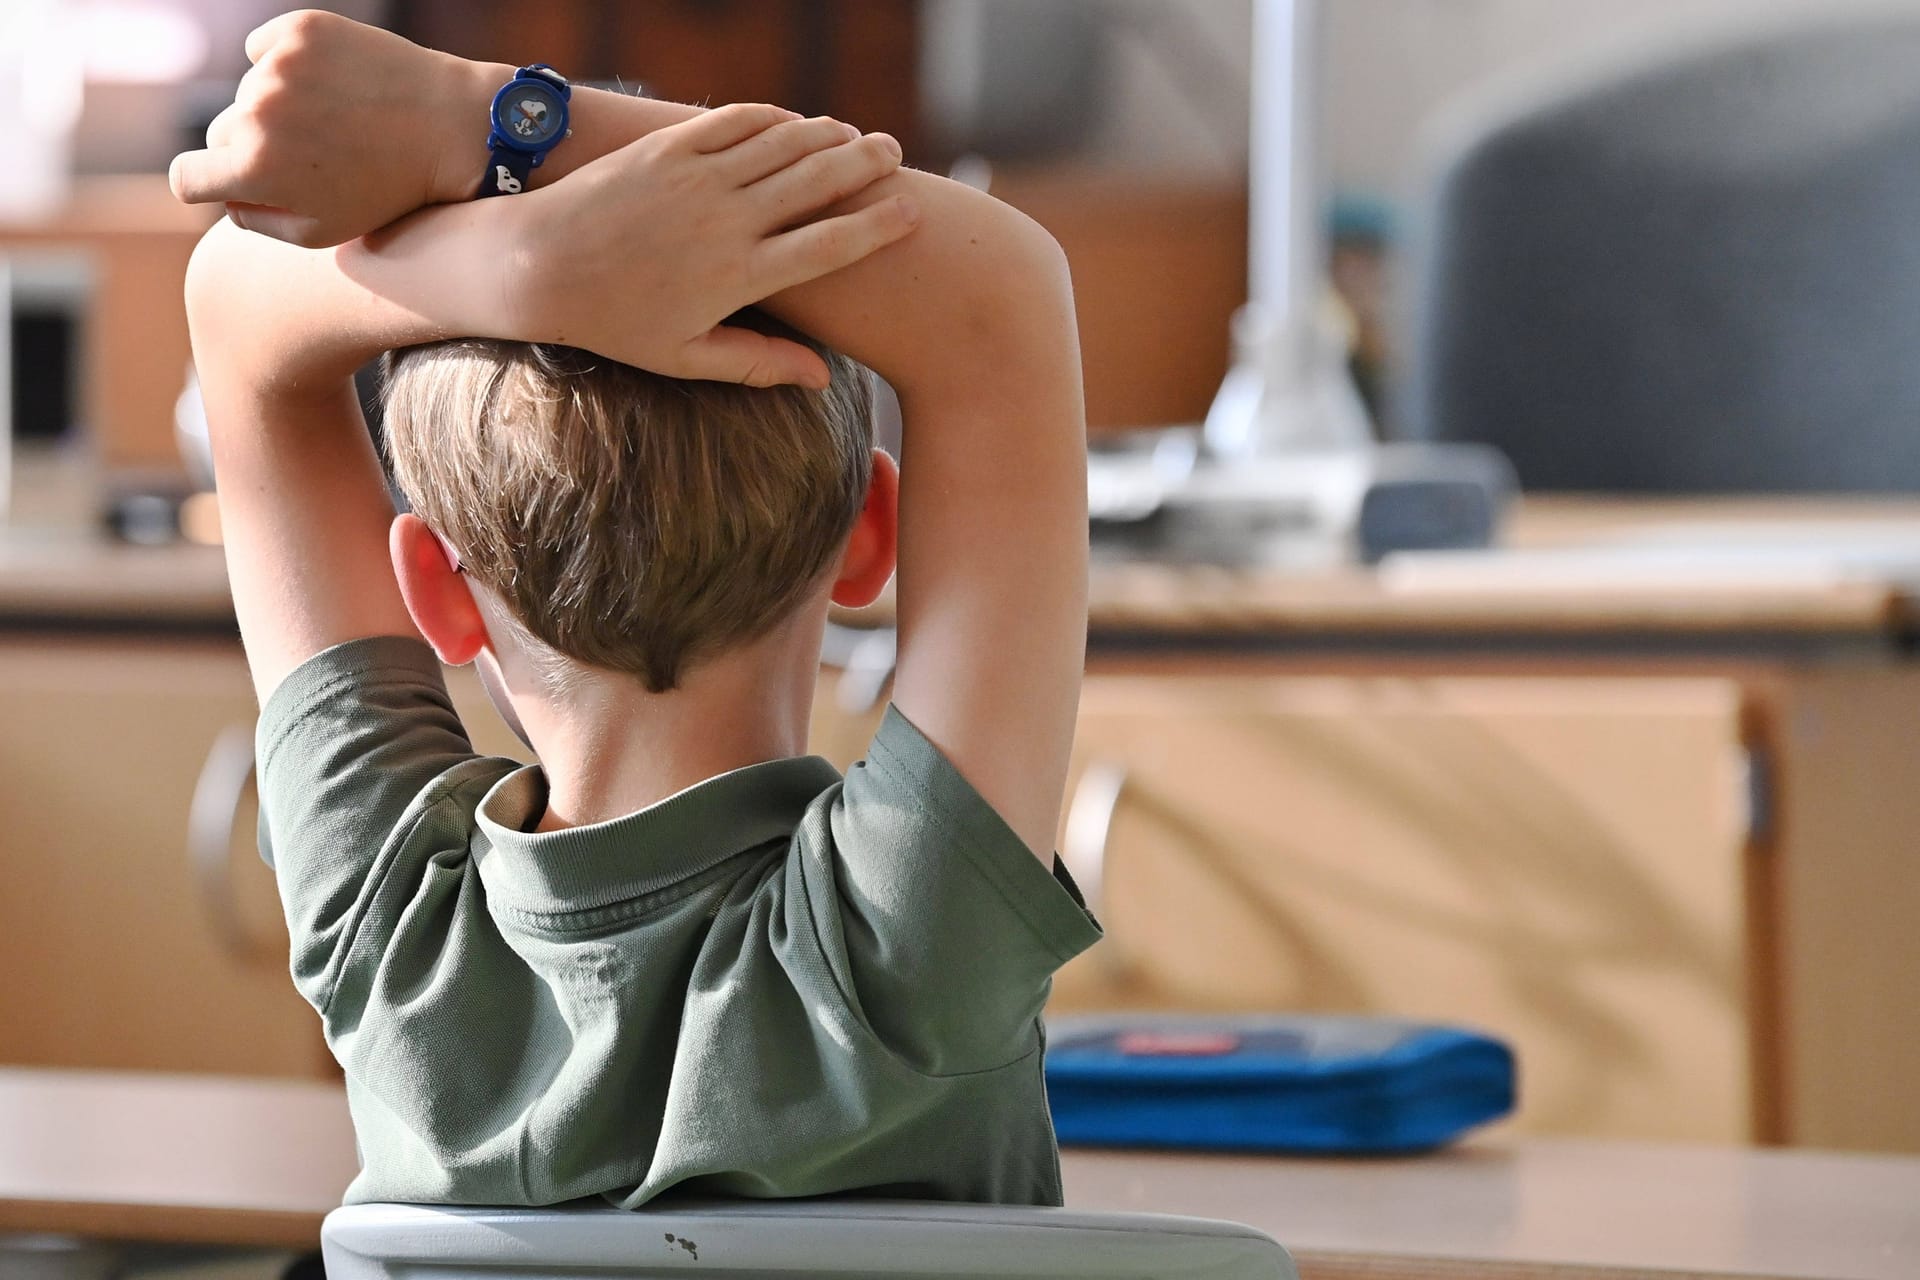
1560, 861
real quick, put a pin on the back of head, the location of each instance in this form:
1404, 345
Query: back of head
629, 521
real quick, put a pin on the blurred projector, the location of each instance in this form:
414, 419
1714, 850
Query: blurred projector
1165, 498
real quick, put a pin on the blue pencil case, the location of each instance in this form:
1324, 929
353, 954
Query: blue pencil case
1302, 1084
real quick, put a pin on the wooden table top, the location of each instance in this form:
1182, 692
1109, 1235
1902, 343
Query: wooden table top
82, 579
171, 1158
175, 1158
1555, 1209
87, 580
1569, 567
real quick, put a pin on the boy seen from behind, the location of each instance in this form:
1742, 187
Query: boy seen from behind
678, 952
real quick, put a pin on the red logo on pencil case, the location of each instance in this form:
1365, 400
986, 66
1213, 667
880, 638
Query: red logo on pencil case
1176, 1044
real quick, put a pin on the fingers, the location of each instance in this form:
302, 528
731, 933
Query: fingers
223, 126
828, 177
729, 126
823, 247
281, 224
773, 149
727, 354
216, 174
273, 31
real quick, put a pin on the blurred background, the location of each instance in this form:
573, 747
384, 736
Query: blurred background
1122, 124
1507, 427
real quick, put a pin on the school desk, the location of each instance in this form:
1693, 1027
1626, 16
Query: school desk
252, 1162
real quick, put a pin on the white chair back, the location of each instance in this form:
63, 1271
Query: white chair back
789, 1239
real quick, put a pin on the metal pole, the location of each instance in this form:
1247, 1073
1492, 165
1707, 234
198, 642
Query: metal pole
1289, 389
1286, 259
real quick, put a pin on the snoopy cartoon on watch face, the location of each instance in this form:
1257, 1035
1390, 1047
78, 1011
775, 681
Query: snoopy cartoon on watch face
528, 119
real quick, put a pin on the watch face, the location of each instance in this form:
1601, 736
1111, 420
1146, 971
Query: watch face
529, 114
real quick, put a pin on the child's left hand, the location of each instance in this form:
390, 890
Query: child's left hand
642, 254
703, 218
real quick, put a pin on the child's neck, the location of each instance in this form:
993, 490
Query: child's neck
609, 747
619, 758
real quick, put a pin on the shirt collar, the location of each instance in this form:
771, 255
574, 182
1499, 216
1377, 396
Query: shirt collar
606, 862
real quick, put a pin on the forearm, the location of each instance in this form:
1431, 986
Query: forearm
600, 121
277, 332
923, 312
271, 320
969, 316
341, 128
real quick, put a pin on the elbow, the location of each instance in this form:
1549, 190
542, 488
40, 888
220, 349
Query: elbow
1010, 282
206, 270
1004, 263
1041, 259
1047, 254
1028, 315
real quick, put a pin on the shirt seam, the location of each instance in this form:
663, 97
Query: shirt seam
313, 703
951, 826
625, 910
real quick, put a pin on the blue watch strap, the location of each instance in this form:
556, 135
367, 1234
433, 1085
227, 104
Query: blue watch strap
507, 172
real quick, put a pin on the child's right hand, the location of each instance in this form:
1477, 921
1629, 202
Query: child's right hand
337, 129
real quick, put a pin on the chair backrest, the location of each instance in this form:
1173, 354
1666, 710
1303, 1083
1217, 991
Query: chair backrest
792, 1239
1695, 270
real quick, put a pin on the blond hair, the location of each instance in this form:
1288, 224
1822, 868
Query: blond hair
629, 521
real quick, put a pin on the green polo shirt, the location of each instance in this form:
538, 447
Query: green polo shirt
779, 982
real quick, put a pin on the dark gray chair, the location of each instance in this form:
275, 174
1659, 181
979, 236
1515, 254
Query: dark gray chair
1694, 270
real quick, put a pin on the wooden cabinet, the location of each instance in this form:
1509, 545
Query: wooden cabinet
1679, 896
1684, 892
1561, 862
132, 240
1567, 861
116, 950
846, 713
111, 949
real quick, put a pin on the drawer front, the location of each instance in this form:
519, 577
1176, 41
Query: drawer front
117, 953
1559, 861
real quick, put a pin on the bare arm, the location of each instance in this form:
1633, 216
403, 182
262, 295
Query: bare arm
303, 503
278, 330
971, 320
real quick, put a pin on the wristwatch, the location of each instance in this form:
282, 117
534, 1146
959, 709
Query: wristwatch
529, 119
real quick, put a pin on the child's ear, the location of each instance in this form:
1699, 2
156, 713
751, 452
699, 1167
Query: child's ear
436, 592
867, 563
